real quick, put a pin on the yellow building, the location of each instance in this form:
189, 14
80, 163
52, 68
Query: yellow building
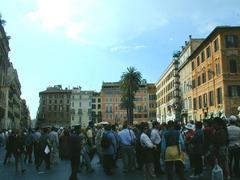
215, 68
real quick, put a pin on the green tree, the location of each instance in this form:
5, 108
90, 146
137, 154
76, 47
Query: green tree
129, 84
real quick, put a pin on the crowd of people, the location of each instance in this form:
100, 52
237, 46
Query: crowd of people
154, 148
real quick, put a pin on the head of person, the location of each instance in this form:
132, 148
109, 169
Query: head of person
170, 125
125, 125
155, 124
198, 125
108, 127
232, 119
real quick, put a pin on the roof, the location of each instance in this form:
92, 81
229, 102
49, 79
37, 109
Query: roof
212, 34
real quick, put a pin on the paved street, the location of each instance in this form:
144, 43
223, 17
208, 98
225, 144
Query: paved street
62, 172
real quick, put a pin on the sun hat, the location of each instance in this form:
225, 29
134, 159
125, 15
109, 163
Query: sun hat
190, 126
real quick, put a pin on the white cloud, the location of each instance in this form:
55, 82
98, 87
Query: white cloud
125, 48
101, 22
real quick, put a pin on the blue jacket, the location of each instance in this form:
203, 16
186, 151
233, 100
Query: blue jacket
112, 149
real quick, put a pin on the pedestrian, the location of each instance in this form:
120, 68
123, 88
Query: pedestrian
220, 142
172, 148
109, 147
148, 157
127, 140
53, 136
64, 144
19, 149
234, 147
156, 140
75, 148
29, 147
197, 142
44, 149
98, 137
9, 146
36, 145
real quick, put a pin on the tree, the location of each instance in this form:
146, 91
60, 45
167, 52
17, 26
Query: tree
129, 84
2, 21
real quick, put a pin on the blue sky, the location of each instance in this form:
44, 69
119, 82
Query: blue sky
86, 42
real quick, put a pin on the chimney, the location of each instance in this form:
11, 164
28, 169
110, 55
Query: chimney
186, 43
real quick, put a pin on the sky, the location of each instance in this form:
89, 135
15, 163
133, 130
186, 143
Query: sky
85, 42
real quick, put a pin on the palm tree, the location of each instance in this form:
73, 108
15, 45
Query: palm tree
2, 21
129, 84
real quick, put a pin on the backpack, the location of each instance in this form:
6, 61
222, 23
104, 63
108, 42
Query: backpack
105, 141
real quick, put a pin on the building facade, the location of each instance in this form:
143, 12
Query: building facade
68, 107
144, 103
168, 96
216, 74
96, 108
54, 107
185, 74
10, 88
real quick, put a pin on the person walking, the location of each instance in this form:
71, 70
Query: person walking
172, 148
109, 148
19, 149
53, 136
197, 142
156, 140
127, 139
75, 149
148, 157
44, 150
234, 147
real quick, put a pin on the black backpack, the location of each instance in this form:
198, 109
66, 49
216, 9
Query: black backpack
105, 141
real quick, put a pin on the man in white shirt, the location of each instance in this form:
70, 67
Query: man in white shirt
148, 148
156, 140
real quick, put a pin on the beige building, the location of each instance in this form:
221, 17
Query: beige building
168, 93
185, 74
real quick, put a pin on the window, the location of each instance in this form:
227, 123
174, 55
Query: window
72, 104
234, 90
208, 51
233, 66
216, 45
198, 61
211, 98
217, 68
99, 100
219, 95
231, 41
193, 65
93, 100
190, 103
202, 56
99, 106
195, 104
193, 83
205, 100
199, 80
80, 104
50, 101
93, 106
199, 102
210, 73
204, 77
